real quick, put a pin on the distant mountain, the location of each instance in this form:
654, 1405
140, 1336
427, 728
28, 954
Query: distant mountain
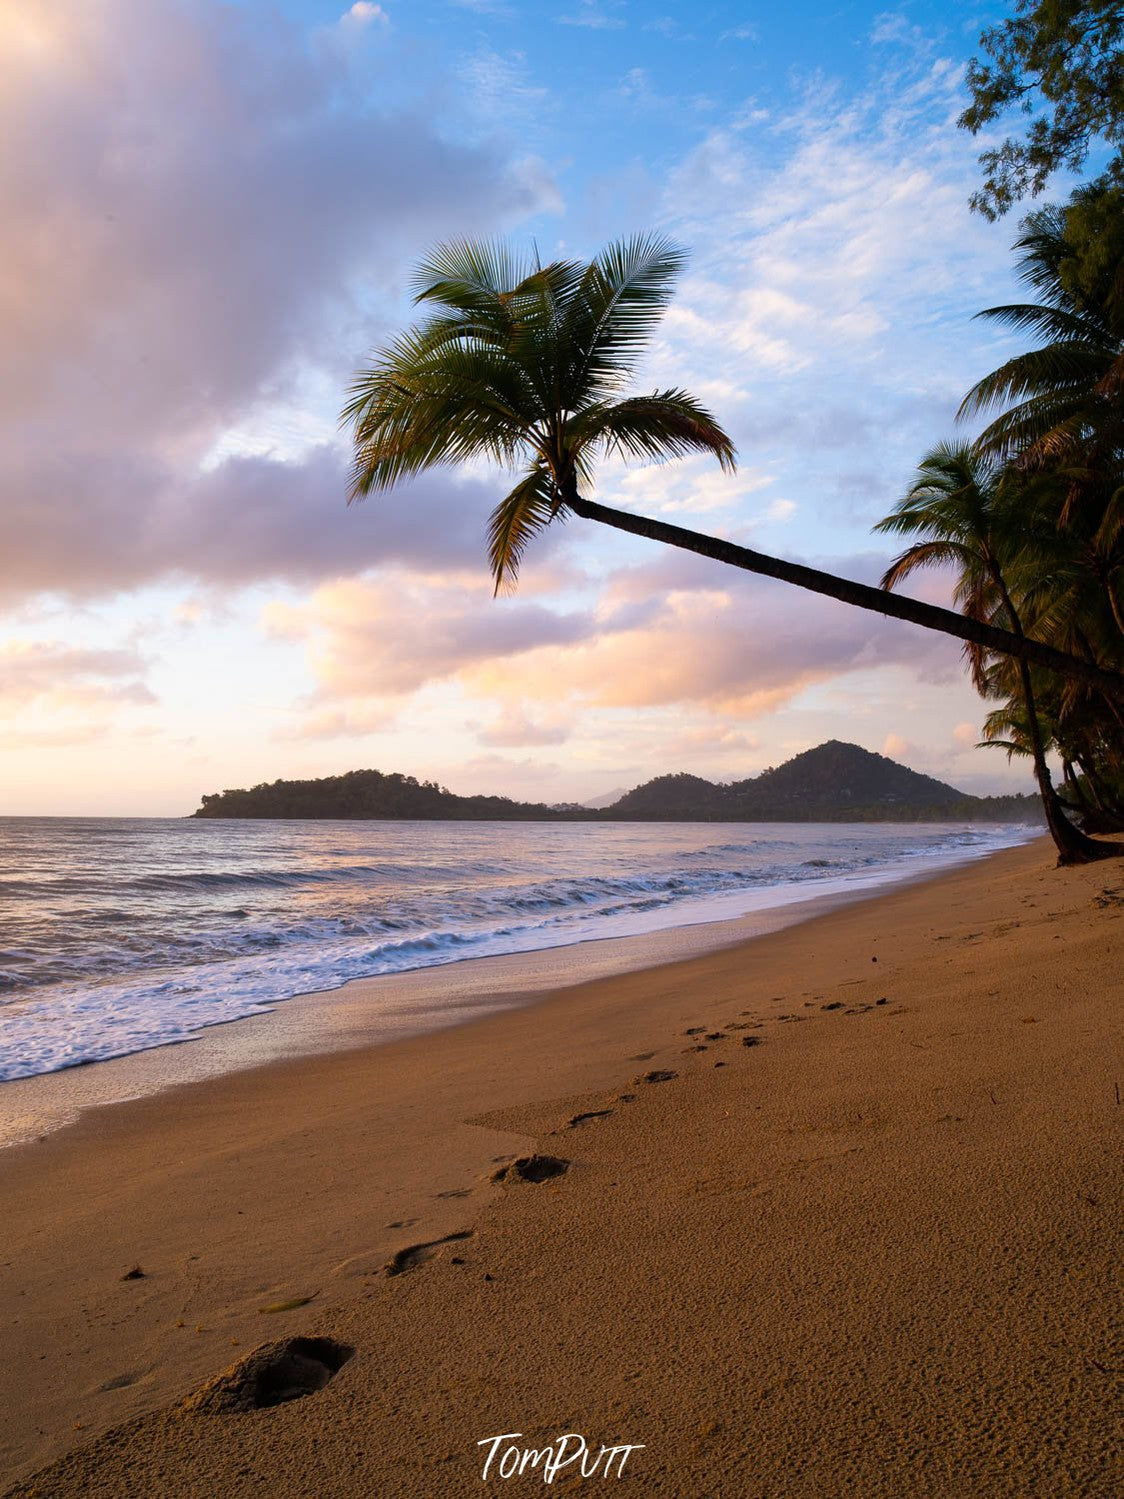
843, 775
674, 798
835, 782
596, 803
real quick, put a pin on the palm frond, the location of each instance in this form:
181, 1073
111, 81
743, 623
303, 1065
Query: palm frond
1055, 369
528, 509
1045, 425
922, 554
666, 424
623, 295
463, 271
1052, 324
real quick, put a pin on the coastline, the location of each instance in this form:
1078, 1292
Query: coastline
381, 1008
726, 1200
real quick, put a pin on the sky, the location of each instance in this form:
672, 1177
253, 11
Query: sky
208, 217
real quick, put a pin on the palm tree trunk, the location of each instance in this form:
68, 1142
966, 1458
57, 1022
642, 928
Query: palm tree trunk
1107, 813
860, 595
1080, 801
1073, 845
1114, 605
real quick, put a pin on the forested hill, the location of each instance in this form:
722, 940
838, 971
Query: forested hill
833, 783
368, 793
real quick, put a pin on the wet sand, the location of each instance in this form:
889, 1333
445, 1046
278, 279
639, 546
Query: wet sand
873, 1252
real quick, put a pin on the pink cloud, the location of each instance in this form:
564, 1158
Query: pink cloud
678, 631
56, 674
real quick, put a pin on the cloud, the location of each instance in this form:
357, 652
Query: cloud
694, 486
191, 226
513, 729
246, 520
31, 670
892, 28
712, 741
53, 695
363, 14
500, 85
679, 632
833, 248
591, 15
391, 635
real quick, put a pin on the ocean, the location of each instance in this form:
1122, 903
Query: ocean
117, 935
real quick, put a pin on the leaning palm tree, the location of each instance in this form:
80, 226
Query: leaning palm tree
527, 366
963, 513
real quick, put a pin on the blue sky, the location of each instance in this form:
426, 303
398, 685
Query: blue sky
210, 216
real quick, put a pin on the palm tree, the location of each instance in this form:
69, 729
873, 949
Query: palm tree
526, 366
964, 513
1063, 398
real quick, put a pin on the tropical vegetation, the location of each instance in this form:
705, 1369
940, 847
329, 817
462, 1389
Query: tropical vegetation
1031, 514
1057, 63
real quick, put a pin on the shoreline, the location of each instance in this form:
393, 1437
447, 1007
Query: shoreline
751, 1215
381, 1008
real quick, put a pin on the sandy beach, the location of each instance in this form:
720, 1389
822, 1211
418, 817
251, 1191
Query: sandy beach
839, 1215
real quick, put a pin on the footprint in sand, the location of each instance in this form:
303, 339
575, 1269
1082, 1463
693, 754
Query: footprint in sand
688, 1049
272, 1375
588, 1117
416, 1254
659, 1076
751, 1040
121, 1382
532, 1168
402, 1223
694, 1030
642, 1056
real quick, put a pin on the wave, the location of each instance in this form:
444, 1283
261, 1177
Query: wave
165, 955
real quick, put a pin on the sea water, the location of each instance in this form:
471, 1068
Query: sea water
118, 934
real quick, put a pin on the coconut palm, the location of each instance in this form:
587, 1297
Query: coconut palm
1063, 399
963, 513
526, 366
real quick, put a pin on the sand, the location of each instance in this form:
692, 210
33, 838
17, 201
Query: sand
875, 1252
